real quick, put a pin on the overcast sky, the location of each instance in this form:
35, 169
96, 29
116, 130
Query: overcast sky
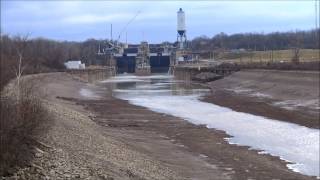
156, 22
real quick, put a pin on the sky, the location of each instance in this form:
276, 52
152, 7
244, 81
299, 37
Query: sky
155, 21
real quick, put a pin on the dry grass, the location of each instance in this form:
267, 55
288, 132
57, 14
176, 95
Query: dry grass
306, 55
20, 121
306, 66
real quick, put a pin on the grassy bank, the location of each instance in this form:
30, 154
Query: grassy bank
306, 66
305, 55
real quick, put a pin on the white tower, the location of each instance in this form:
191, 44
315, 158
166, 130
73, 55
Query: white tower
181, 28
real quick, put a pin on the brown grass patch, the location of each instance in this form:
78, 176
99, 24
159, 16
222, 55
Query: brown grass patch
20, 118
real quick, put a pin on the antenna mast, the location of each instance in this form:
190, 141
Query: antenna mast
126, 37
125, 27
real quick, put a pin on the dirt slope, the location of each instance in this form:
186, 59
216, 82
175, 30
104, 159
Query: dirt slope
291, 96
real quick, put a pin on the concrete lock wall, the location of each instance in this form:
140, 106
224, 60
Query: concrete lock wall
92, 75
158, 64
185, 74
126, 64
143, 71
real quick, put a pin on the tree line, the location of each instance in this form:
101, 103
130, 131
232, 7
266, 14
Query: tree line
258, 41
42, 55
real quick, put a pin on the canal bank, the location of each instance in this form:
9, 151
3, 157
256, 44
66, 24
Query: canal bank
96, 135
287, 95
291, 96
75, 147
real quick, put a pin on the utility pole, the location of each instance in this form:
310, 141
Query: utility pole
110, 56
111, 32
316, 13
316, 35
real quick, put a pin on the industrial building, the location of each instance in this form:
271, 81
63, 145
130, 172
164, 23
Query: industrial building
145, 58
74, 64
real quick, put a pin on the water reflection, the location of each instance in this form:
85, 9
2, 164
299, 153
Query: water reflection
159, 85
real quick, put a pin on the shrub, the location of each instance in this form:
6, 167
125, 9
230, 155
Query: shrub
20, 118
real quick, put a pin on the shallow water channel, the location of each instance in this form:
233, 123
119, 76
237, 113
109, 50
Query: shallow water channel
161, 93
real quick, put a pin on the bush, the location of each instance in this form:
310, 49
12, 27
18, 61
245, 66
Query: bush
20, 118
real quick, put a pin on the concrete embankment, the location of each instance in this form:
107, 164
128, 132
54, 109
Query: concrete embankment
92, 75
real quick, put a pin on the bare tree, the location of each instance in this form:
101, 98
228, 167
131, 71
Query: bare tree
20, 43
296, 55
296, 49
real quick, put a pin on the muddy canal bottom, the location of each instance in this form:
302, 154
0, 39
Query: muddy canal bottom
161, 93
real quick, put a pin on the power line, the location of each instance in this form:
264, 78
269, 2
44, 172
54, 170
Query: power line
124, 28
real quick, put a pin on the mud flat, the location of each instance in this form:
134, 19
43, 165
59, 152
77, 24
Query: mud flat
291, 96
194, 151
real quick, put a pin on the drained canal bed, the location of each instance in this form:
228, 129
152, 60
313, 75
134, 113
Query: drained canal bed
161, 93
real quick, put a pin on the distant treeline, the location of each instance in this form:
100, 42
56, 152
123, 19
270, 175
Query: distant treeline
42, 55
258, 41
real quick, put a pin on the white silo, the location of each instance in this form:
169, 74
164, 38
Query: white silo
181, 28
181, 24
